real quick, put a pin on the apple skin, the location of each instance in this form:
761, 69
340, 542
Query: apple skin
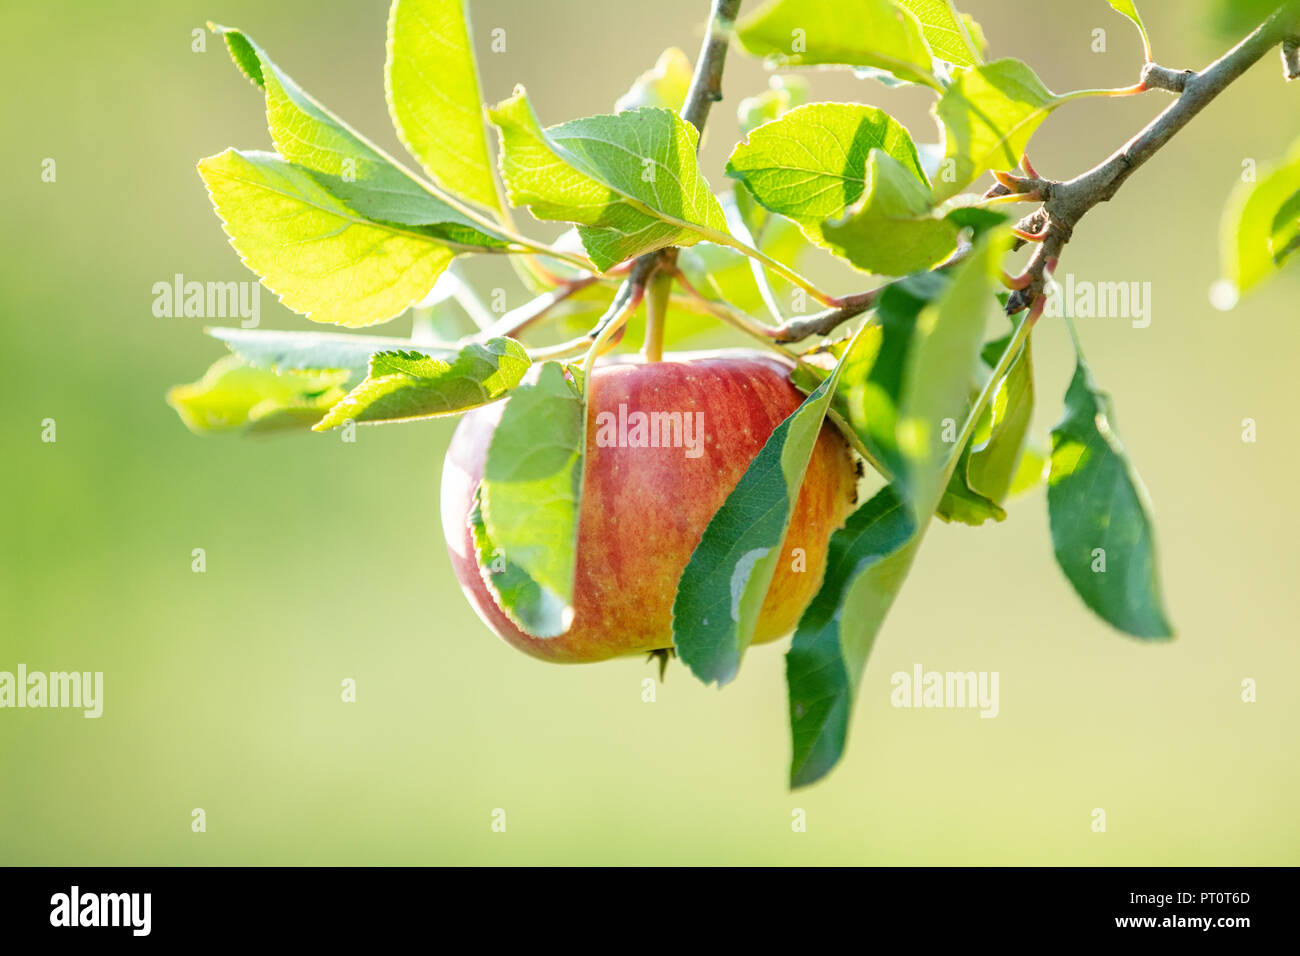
644, 509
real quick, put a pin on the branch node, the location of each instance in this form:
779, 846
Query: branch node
1291, 57
1157, 77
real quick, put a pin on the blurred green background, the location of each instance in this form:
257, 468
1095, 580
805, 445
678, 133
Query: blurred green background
325, 560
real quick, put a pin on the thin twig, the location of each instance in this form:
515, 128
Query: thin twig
534, 310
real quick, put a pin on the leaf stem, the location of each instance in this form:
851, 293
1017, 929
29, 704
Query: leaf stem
784, 271
731, 317
518, 319
625, 303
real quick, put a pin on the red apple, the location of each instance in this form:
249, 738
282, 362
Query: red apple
644, 509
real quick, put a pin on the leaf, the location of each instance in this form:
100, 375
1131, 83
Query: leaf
234, 395
783, 94
1261, 223
534, 608
532, 485
1031, 471
722, 588
1129, 9
665, 85
892, 231
405, 384
1096, 501
945, 30
918, 375
309, 135
432, 87
996, 453
320, 256
812, 163
629, 180
863, 33
989, 114
298, 351
866, 563
991, 462
940, 361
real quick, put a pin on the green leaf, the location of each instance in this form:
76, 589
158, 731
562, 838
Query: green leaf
940, 362
309, 135
989, 114
892, 231
531, 489
534, 608
435, 218
916, 376
630, 180
866, 563
299, 351
945, 30
990, 463
319, 255
863, 33
996, 451
812, 163
665, 85
403, 385
234, 395
1031, 471
722, 588
783, 94
431, 81
1129, 9
1101, 527
349, 165
1261, 224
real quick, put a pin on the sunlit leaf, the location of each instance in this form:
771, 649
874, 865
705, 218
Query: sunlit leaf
406, 384
945, 30
989, 114
531, 489
233, 395
893, 230
431, 81
320, 256
630, 180
866, 33
664, 85
1261, 224
811, 163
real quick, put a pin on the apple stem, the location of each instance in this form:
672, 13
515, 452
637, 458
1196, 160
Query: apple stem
656, 311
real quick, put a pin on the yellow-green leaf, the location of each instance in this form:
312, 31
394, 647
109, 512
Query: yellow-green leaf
989, 114
431, 80
318, 255
232, 395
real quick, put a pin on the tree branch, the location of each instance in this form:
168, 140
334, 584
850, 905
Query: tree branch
1066, 203
704, 91
706, 82
1070, 201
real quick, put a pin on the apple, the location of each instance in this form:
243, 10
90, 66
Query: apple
645, 508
